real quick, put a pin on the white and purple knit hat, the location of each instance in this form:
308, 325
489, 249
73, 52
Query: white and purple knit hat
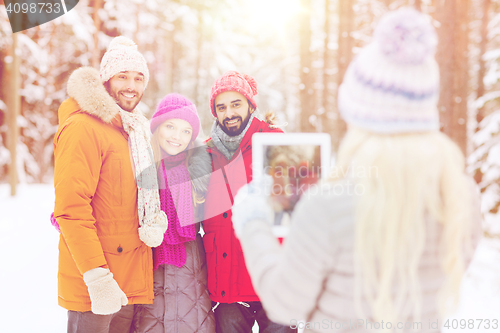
122, 56
392, 86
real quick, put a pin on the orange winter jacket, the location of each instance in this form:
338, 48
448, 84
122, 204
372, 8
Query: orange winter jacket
96, 197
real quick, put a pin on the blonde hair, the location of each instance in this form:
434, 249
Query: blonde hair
419, 186
198, 198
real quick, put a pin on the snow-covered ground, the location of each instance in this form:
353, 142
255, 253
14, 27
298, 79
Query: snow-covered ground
28, 261
480, 292
28, 269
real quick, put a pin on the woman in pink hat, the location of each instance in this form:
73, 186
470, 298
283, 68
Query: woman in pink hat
181, 302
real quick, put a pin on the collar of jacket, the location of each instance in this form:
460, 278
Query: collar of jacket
257, 125
86, 89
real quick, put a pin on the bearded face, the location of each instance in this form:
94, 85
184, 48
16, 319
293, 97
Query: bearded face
233, 112
126, 88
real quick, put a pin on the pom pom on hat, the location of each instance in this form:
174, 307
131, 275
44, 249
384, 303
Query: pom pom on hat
392, 86
122, 56
176, 106
406, 36
234, 81
251, 81
122, 42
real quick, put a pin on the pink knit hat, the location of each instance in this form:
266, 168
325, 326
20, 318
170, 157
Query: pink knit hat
122, 56
234, 81
176, 106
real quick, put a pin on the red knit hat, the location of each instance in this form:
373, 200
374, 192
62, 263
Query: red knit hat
234, 81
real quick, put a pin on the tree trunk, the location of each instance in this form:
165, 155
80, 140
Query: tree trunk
345, 55
14, 110
482, 50
196, 92
175, 56
169, 61
96, 53
452, 56
306, 73
327, 100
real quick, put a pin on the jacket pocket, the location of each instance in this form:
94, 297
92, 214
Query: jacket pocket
209, 244
129, 259
120, 244
244, 282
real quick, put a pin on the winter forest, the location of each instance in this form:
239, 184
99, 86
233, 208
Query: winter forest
298, 51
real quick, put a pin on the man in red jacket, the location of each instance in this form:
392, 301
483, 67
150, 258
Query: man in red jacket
233, 105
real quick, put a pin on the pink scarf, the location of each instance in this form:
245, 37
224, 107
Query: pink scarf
177, 202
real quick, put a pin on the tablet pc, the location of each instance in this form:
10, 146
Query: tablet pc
296, 161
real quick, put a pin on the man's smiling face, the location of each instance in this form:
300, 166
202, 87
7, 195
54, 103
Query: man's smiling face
233, 112
126, 88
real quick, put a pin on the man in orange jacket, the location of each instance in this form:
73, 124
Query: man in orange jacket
108, 213
233, 106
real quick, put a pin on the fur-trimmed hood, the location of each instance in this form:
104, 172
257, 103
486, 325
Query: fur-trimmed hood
270, 118
86, 89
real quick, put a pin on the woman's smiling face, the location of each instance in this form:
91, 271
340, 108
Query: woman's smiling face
174, 135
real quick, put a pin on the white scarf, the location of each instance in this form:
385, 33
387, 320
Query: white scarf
152, 220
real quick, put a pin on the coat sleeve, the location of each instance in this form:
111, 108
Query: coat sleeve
200, 167
290, 279
78, 159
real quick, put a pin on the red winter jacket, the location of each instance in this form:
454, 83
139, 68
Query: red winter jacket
228, 279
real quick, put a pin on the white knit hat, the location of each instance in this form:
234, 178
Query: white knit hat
122, 56
392, 86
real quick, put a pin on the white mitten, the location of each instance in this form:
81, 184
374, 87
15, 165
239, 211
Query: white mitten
252, 202
105, 294
152, 232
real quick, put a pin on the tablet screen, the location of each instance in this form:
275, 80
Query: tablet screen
296, 161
